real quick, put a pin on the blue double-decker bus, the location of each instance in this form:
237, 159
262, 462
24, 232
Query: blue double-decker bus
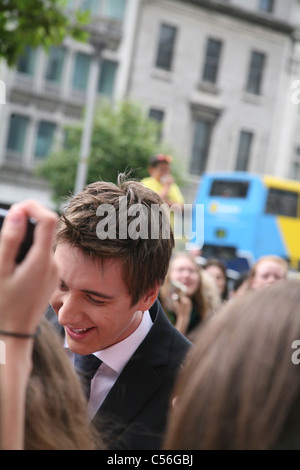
247, 216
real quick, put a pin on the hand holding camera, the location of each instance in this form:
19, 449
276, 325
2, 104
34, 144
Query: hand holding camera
178, 289
28, 273
167, 179
181, 304
28, 276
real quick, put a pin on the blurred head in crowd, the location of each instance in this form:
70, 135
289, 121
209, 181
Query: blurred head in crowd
160, 166
217, 270
267, 270
239, 388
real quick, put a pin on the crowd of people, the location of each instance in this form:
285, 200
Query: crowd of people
239, 389
128, 344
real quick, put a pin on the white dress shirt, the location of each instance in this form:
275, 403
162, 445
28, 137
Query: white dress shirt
114, 359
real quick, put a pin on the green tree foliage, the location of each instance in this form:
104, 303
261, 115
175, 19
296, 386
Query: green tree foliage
124, 139
36, 23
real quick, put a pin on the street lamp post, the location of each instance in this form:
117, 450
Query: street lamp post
106, 36
86, 138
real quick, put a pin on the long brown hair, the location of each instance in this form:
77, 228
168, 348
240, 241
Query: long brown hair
240, 388
56, 410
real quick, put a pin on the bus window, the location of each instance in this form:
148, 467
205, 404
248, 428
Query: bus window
214, 251
228, 189
280, 202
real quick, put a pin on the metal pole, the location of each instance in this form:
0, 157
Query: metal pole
85, 145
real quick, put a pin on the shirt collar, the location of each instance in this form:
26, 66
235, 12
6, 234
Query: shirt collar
117, 355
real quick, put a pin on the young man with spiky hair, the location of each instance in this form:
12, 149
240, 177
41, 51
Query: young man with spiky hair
111, 269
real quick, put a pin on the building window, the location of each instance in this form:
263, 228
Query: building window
166, 44
44, 138
243, 152
266, 5
107, 77
55, 64
26, 63
115, 9
109, 8
91, 5
255, 74
295, 171
81, 71
158, 116
17, 133
201, 144
212, 59
70, 4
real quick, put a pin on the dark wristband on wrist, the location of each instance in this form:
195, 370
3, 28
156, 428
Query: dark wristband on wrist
21, 335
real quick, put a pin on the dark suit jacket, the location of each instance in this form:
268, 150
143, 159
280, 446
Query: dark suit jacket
133, 415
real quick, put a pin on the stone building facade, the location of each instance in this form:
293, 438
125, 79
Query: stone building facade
222, 76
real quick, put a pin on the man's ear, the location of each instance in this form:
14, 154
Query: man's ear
148, 299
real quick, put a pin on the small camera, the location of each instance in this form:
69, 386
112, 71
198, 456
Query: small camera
177, 289
28, 240
179, 286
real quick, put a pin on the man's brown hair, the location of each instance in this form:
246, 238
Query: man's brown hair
145, 259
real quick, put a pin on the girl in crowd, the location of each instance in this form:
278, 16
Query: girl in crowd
217, 270
267, 270
240, 386
183, 296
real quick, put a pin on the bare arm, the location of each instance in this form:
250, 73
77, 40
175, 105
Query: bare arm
24, 293
182, 308
167, 181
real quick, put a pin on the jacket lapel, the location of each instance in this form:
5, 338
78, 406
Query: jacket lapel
132, 390
139, 379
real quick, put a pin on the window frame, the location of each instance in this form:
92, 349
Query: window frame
16, 153
266, 6
200, 147
107, 91
166, 48
243, 158
212, 61
255, 73
36, 144
51, 81
77, 87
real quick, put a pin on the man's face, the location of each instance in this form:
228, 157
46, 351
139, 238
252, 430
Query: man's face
92, 302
